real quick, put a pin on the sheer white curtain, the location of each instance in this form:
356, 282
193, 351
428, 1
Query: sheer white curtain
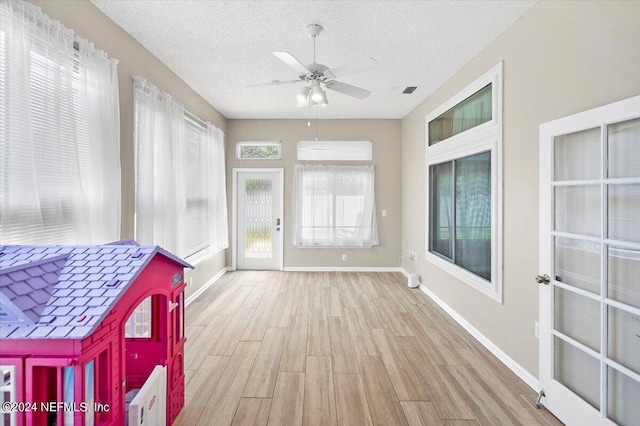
218, 227
334, 206
59, 133
160, 200
181, 198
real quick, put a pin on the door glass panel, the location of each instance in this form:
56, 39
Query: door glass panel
624, 149
577, 155
624, 212
578, 263
577, 209
578, 317
624, 270
624, 343
258, 218
578, 371
624, 394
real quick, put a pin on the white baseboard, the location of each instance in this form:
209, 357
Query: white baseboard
519, 371
208, 284
342, 269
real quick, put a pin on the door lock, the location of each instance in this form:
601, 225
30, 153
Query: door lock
543, 279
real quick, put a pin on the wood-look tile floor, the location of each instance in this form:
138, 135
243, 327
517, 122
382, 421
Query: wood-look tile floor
347, 348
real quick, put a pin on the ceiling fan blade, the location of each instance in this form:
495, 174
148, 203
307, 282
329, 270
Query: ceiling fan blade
275, 83
290, 60
347, 89
362, 65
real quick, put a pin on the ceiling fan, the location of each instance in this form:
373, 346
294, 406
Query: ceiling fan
316, 76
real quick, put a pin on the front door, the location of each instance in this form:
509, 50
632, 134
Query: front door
259, 224
590, 265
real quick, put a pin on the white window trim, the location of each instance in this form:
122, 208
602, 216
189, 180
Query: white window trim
240, 144
482, 138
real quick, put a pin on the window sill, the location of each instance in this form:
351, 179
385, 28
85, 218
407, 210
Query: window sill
337, 247
492, 290
201, 257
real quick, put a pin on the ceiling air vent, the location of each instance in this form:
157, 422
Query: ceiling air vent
409, 90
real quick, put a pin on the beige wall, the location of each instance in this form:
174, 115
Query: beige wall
560, 58
90, 23
385, 136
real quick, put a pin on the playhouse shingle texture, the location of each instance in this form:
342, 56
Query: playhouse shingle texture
65, 291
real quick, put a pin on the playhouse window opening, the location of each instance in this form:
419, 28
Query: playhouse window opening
179, 324
139, 323
7, 393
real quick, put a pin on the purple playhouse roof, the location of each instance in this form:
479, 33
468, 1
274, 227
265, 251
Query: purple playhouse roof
64, 292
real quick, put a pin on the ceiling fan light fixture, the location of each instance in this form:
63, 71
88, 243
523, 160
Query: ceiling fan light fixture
302, 96
317, 94
324, 102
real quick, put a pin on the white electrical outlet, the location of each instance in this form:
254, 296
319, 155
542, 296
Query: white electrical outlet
384, 213
344, 257
190, 281
537, 329
413, 255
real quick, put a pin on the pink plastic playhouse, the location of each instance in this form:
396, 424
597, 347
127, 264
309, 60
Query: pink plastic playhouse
82, 327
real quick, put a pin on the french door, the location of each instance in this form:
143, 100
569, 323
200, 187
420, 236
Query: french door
590, 265
258, 218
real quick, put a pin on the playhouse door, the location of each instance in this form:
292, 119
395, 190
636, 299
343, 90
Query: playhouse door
259, 222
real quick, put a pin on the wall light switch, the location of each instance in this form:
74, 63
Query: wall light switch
384, 213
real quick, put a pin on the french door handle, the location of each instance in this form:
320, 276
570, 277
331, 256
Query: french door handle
543, 279
278, 222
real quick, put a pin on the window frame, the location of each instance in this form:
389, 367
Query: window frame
486, 137
298, 227
240, 144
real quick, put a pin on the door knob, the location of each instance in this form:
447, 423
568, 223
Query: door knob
277, 229
543, 279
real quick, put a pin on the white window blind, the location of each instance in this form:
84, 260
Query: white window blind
194, 165
180, 176
59, 133
335, 151
334, 206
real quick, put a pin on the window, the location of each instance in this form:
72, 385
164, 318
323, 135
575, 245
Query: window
464, 138
334, 206
138, 324
89, 392
195, 160
259, 150
59, 134
7, 394
181, 201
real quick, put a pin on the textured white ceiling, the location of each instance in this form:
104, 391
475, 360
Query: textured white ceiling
219, 47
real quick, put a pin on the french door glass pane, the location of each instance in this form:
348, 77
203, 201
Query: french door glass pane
624, 149
578, 317
473, 214
578, 371
577, 209
624, 343
624, 394
442, 209
258, 220
624, 212
577, 263
624, 270
577, 155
